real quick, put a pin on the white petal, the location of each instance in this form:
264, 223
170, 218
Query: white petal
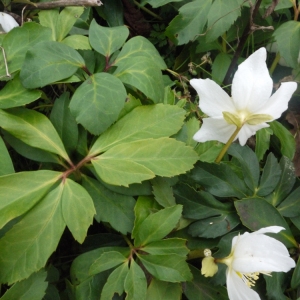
249, 130
271, 229
7, 22
214, 129
278, 102
237, 289
213, 99
252, 84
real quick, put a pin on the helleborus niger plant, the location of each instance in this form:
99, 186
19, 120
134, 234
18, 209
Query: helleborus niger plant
251, 254
250, 107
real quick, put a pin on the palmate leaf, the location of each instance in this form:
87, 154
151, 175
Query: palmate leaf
34, 129
140, 160
97, 103
143, 122
27, 246
19, 192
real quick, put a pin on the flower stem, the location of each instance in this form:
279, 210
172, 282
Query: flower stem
227, 145
274, 64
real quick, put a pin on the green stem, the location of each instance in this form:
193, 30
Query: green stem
128, 241
227, 145
148, 11
274, 63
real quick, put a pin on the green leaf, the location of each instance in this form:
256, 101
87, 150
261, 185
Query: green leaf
296, 276
256, 213
201, 288
135, 284
171, 268
78, 42
107, 40
32, 128
187, 132
14, 94
143, 74
287, 37
21, 191
113, 11
115, 282
157, 225
64, 122
77, 209
18, 41
270, 176
221, 16
48, 18
66, 19
190, 21
287, 140
27, 246
289, 207
30, 288
262, 142
140, 160
7, 166
220, 66
48, 62
163, 192
249, 164
157, 3
97, 103
161, 290
143, 122
139, 48
276, 285
168, 246
111, 207
107, 261
209, 150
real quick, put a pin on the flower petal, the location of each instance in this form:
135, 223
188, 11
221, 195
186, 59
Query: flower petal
252, 84
271, 229
214, 129
278, 102
237, 289
213, 99
7, 22
249, 130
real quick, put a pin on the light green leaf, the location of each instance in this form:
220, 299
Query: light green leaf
287, 37
190, 21
135, 284
77, 42
161, 290
157, 225
171, 268
287, 140
111, 207
143, 122
77, 209
14, 94
163, 157
27, 246
163, 192
32, 128
66, 20
97, 103
256, 213
31, 288
208, 151
168, 246
220, 67
21, 191
18, 41
115, 282
64, 122
106, 40
143, 74
137, 48
157, 3
6, 165
221, 16
262, 142
48, 18
49, 62
107, 261
189, 128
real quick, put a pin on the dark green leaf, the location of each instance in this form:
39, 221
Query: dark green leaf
220, 67
276, 284
163, 192
290, 206
6, 162
296, 276
161, 290
262, 142
97, 103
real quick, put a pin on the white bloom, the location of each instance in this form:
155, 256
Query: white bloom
251, 254
7, 22
250, 106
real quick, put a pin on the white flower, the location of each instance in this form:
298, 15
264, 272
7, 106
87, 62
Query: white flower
251, 254
7, 22
250, 106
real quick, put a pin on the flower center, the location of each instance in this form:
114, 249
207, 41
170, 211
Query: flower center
249, 278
